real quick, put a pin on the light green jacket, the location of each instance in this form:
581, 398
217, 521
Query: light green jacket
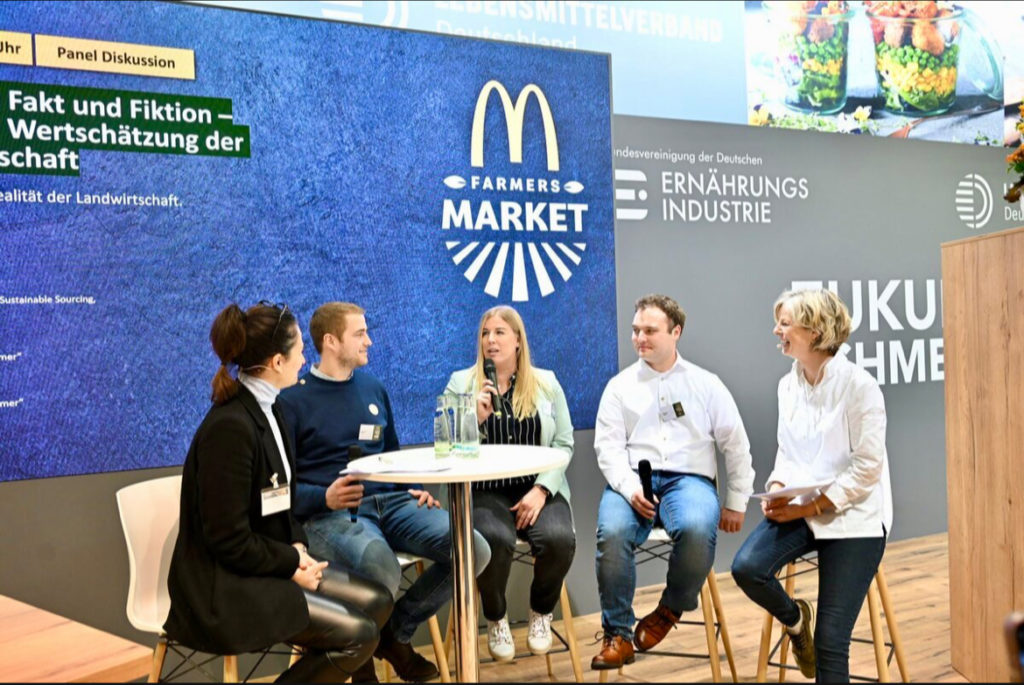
555, 424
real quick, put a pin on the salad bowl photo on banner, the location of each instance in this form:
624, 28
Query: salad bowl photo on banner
812, 53
925, 70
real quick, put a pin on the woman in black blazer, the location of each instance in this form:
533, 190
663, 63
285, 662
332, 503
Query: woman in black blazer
240, 577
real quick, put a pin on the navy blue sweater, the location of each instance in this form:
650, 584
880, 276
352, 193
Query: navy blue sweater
324, 417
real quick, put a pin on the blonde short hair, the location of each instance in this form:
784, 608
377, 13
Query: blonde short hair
820, 311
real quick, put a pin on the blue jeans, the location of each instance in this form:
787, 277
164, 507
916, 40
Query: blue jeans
845, 569
689, 512
388, 523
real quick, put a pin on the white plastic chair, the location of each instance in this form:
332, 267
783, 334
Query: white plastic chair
149, 517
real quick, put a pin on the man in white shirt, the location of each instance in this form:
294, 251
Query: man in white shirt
673, 414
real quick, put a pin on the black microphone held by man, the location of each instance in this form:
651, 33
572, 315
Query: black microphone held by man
354, 452
644, 470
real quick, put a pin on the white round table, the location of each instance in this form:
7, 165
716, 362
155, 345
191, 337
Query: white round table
495, 461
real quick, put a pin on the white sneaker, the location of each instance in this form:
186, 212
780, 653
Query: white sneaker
499, 640
539, 637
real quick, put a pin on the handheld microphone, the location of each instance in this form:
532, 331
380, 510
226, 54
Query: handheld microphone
354, 452
492, 376
644, 468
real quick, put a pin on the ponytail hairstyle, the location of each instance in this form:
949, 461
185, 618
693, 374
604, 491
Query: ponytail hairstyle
248, 340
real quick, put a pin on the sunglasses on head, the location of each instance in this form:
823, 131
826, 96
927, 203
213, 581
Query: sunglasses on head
276, 305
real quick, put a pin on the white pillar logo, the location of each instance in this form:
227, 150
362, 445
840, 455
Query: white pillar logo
974, 201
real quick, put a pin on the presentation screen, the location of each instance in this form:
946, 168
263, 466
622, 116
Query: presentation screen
159, 161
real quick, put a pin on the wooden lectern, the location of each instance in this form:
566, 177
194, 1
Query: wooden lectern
983, 329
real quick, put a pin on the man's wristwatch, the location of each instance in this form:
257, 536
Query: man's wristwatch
547, 492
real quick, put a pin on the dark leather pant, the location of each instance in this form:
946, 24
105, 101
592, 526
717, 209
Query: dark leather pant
345, 616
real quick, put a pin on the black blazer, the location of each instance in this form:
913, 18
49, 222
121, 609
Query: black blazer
230, 577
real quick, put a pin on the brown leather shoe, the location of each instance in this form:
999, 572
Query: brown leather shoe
615, 652
653, 627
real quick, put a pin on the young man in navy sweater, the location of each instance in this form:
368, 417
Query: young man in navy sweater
334, 406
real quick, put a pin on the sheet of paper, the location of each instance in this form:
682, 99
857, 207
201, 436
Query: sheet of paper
793, 490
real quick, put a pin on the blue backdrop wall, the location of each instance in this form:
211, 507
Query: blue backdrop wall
357, 137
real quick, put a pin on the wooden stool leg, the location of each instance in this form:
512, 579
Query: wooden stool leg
783, 655
766, 646
784, 647
231, 669
877, 634
570, 634
603, 677
709, 631
716, 602
890, 619
449, 637
439, 653
159, 654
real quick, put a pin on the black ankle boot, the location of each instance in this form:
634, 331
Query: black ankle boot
365, 673
407, 662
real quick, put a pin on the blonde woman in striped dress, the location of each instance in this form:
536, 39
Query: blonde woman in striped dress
533, 508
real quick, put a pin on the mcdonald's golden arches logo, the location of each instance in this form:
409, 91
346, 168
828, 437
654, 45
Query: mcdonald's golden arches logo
532, 217
514, 116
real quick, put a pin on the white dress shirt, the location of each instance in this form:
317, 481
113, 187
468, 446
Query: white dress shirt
674, 420
835, 431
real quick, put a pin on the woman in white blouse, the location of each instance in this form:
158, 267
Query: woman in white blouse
831, 435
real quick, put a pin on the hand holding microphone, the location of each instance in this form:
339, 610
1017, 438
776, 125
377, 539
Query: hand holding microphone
346, 492
644, 468
643, 501
492, 375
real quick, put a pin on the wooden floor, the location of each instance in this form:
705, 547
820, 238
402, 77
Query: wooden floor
37, 646
918, 580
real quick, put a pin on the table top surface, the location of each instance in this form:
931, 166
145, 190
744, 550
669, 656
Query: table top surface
418, 465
